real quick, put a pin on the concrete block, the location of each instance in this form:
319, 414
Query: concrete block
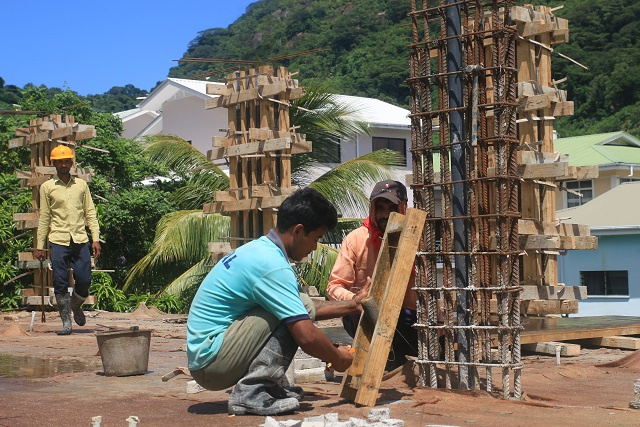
358, 422
331, 417
313, 291
393, 422
312, 424
308, 363
193, 387
309, 375
379, 414
271, 422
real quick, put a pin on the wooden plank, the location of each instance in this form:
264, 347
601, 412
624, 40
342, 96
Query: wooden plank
538, 157
583, 243
362, 381
540, 241
33, 265
25, 216
627, 343
534, 102
51, 300
553, 293
550, 306
535, 227
259, 147
25, 256
217, 89
226, 196
560, 109
260, 134
543, 170
530, 29
580, 172
26, 225
217, 248
301, 146
566, 229
566, 349
575, 328
223, 141
269, 191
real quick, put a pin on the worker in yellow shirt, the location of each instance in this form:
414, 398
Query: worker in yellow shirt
65, 204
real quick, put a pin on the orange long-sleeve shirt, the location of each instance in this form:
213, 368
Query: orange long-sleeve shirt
356, 261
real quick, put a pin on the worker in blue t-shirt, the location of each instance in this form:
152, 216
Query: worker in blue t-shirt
248, 317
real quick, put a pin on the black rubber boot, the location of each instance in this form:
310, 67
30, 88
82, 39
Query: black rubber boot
252, 393
64, 307
76, 306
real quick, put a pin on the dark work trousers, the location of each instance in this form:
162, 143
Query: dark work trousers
76, 256
405, 339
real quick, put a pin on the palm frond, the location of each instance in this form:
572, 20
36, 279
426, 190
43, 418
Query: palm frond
190, 278
181, 237
177, 154
345, 185
317, 269
200, 189
325, 121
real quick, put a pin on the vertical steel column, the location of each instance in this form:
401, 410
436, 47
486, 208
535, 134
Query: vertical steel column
460, 186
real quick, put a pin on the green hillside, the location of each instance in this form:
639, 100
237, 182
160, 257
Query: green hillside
367, 56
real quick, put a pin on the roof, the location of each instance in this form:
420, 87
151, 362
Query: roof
175, 89
375, 112
618, 208
600, 149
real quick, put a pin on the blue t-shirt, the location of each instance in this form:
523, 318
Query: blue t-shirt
256, 274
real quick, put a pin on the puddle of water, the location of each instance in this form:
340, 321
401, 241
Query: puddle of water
13, 366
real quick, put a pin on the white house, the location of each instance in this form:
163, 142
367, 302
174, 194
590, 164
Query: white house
612, 272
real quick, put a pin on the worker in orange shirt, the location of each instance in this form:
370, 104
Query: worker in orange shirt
357, 259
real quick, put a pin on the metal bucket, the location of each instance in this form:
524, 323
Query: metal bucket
124, 352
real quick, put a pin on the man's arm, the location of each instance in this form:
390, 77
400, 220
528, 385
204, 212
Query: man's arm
92, 222
315, 343
343, 274
336, 309
43, 223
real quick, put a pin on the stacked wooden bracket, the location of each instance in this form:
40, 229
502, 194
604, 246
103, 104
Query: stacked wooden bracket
542, 236
257, 146
41, 136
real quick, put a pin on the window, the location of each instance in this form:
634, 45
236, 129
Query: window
584, 187
623, 180
614, 282
395, 144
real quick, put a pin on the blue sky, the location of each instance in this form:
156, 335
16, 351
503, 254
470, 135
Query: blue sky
90, 46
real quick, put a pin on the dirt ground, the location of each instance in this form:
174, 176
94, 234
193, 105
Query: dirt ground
50, 380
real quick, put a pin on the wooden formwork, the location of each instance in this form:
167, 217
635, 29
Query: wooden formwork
41, 136
543, 169
258, 146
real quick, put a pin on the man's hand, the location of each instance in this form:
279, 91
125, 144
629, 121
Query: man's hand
95, 248
346, 358
362, 294
39, 254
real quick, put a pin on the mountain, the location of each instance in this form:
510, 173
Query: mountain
366, 53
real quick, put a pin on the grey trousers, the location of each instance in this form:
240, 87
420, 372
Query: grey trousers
241, 344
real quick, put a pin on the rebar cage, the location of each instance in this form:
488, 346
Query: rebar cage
469, 134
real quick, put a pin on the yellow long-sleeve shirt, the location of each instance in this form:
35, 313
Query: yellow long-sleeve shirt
63, 211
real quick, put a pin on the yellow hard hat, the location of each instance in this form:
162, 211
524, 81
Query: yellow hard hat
61, 152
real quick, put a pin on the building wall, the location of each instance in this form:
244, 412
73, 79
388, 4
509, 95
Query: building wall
348, 149
133, 126
615, 252
188, 119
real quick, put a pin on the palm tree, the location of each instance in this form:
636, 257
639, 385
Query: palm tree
180, 257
